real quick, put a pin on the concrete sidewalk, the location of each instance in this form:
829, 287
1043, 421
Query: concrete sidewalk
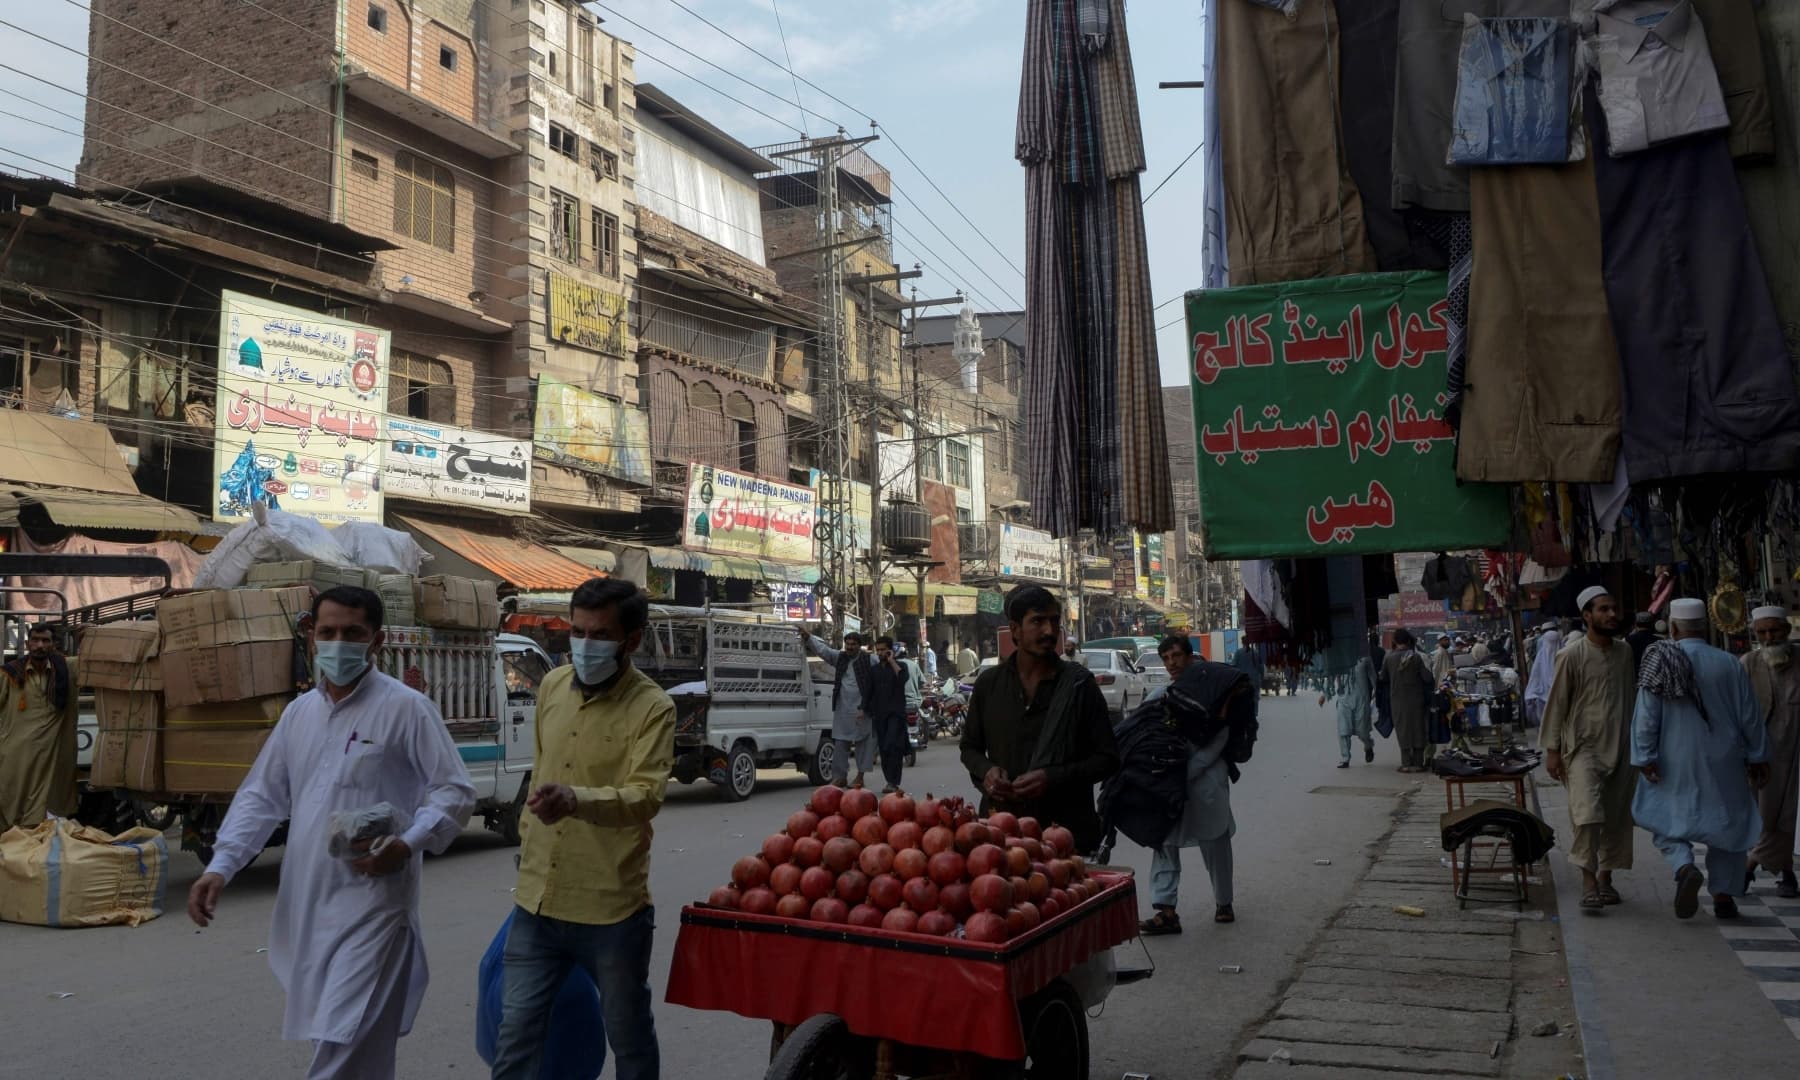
1452, 994
1660, 997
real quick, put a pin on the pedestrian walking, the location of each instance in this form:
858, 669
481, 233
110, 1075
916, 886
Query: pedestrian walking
345, 941
1037, 738
1250, 662
886, 709
38, 702
850, 727
1699, 740
1543, 668
1410, 690
1206, 821
605, 745
1443, 660
1776, 680
1642, 636
1354, 703
966, 662
1586, 741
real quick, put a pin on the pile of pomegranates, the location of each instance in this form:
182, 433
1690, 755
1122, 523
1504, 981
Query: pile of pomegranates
922, 866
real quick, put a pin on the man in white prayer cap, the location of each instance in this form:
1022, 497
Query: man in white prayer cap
1702, 747
1587, 727
1776, 680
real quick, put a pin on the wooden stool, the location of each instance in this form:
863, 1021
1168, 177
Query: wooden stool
1462, 861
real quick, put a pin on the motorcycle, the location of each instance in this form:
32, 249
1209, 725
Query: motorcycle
918, 735
944, 712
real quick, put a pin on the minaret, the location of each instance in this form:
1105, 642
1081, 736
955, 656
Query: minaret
967, 348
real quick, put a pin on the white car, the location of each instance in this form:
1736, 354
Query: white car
1156, 676
1121, 681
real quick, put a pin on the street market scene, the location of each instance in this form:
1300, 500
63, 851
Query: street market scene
539, 540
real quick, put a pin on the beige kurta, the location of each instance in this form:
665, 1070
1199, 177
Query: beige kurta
37, 750
1778, 696
1588, 719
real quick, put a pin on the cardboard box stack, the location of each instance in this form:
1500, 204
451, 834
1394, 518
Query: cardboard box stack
208, 749
319, 575
223, 645
397, 601
121, 663
454, 603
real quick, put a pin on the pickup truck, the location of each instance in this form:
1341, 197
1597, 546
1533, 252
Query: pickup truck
747, 695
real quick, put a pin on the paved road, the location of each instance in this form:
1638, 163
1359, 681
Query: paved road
168, 1001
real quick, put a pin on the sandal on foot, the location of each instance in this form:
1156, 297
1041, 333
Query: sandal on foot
1591, 902
1223, 913
1687, 891
1610, 896
1163, 922
1724, 907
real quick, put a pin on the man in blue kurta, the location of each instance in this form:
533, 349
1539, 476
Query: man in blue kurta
1698, 739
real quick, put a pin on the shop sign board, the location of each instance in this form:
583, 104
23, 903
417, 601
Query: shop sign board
299, 412
733, 513
590, 432
846, 521
1153, 560
585, 316
1031, 554
444, 464
793, 600
1319, 413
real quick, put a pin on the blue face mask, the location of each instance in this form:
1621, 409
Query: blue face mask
340, 663
595, 661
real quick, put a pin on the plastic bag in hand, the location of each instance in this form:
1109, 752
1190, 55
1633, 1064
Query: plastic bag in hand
352, 827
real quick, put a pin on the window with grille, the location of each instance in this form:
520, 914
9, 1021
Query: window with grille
564, 142
424, 201
605, 162
377, 18
705, 397
742, 413
584, 60
565, 226
931, 462
420, 387
956, 459
364, 165
446, 58
1001, 446
606, 242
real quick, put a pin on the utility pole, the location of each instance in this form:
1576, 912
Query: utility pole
1080, 587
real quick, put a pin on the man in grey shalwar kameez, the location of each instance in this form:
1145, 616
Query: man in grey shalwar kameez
851, 729
1353, 708
1410, 689
1776, 680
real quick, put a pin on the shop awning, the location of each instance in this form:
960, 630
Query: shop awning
803, 575
73, 470
933, 589
594, 558
519, 563
98, 510
669, 558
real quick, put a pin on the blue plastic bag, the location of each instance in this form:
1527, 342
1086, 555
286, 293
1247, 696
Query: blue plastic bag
574, 1045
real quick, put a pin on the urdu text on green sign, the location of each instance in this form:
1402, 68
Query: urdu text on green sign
1319, 421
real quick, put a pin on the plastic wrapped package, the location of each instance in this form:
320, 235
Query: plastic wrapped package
379, 548
269, 536
1515, 93
574, 1048
352, 827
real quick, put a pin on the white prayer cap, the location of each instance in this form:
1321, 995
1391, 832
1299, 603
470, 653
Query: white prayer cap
1687, 608
1769, 611
1588, 594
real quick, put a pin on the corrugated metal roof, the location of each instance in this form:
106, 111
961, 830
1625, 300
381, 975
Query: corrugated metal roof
525, 565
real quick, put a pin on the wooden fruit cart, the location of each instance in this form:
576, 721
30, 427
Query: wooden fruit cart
866, 1004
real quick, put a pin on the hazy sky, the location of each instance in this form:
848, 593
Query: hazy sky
941, 76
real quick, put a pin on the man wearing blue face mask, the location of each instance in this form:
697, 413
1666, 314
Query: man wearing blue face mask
345, 941
605, 745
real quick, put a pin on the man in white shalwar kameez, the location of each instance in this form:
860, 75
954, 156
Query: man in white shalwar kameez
345, 940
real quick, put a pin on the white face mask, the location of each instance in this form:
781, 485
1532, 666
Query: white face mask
340, 663
595, 661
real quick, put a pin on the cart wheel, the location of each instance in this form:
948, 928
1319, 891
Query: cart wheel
158, 816
740, 773
819, 1049
1056, 1034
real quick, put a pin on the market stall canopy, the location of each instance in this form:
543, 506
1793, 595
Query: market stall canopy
520, 563
73, 471
595, 558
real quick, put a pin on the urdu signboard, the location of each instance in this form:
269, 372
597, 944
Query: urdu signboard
1031, 554
440, 463
733, 513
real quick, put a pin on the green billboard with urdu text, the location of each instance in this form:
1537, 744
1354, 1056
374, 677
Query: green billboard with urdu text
1319, 421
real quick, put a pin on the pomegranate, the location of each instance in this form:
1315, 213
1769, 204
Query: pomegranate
802, 823
876, 859
1049, 908
936, 839
852, 886
778, 849
817, 882
991, 892
1021, 887
865, 915
1018, 861
725, 896
1005, 822
1064, 901
986, 859
968, 837
825, 800
896, 808
885, 892
900, 920
829, 909
906, 834
1078, 866
1032, 915
869, 830
749, 872
1034, 848
926, 813
832, 827
1060, 873
1029, 828
1061, 840
784, 879
1015, 923
840, 854
808, 850
758, 901
946, 868
986, 927
936, 923
911, 863
857, 803
793, 906
921, 895
965, 814
1039, 868
954, 898
1037, 886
